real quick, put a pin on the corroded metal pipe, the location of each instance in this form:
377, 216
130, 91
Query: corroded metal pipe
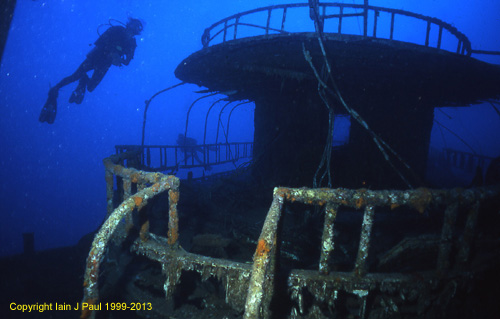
173, 220
468, 236
124, 211
261, 283
260, 289
109, 191
418, 199
360, 268
443, 260
327, 242
258, 298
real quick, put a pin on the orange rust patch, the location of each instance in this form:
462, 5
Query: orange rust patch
155, 187
173, 224
94, 264
173, 236
134, 177
144, 233
421, 199
359, 202
394, 206
137, 200
262, 248
280, 192
174, 196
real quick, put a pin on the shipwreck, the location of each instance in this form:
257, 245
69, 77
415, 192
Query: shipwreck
308, 230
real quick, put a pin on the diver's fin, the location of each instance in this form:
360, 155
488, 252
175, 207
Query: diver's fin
49, 110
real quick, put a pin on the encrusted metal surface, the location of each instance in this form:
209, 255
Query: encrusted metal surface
234, 276
160, 183
249, 288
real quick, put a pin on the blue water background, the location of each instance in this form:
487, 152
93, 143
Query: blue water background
52, 176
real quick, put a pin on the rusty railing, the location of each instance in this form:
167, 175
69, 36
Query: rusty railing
160, 158
249, 287
138, 187
369, 14
466, 161
359, 281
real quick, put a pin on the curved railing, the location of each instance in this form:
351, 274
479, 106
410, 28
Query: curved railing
162, 158
360, 281
466, 161
136, 188
228, 28
249, 287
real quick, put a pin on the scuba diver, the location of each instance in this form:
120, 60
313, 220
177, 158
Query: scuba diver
189, 146
116, 46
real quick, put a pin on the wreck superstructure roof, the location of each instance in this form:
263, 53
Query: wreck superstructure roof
265, 64
387, 83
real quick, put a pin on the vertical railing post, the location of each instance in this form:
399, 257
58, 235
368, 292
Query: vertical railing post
127, 192
165, 153
143, 160
375, 21
327, 245
360, 268
173, 220
268, 20
208, 155
219, 152
205, 38
176, 156
109, 191
445, 244
392, 26
283, 19
440, 36
225, 32
427, 33
365, 19
237, 20
341, 14
468, 235
260, 289
148, 157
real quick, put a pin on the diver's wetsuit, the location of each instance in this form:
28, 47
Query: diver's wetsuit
115, 46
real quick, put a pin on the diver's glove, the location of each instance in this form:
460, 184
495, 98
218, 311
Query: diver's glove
49, 110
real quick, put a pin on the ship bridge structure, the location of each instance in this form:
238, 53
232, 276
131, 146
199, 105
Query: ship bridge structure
390, 79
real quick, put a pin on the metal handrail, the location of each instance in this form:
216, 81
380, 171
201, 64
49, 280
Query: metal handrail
463, 47
138, 188
261, 280
465, 160
174, 157
256, 281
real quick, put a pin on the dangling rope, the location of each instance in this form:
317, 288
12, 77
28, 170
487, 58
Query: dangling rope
457, 136
327, 152
381, 144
